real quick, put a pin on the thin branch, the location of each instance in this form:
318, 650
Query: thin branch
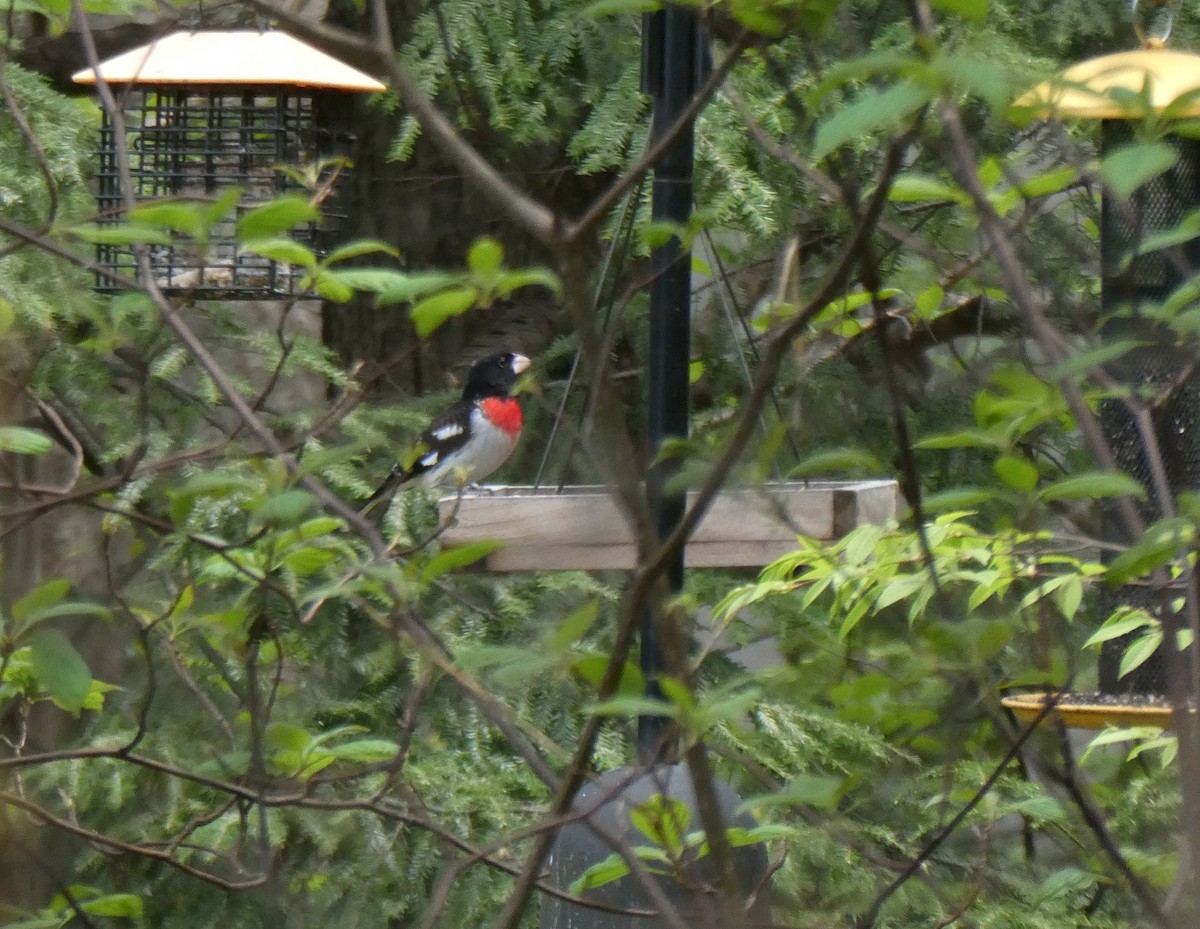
116, 845
380, 55
1069, 779
632, 175
773, 356
868, 919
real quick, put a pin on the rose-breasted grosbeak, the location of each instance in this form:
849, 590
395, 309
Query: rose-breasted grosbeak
472, 437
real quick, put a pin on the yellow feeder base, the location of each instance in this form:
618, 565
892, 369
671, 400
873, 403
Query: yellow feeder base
1076, 715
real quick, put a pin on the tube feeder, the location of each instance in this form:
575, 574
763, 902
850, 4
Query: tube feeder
1118, 89
205, 112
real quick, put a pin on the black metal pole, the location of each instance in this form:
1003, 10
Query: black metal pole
671, 61
669, 70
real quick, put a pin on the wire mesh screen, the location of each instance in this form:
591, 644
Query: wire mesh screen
194, 143
1162, 369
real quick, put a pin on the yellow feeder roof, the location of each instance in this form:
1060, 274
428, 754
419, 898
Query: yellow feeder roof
1082, 91
230, 57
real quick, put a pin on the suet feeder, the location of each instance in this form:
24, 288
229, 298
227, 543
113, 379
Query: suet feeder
205, 112
1118, 90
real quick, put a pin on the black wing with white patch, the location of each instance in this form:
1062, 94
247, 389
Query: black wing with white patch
445, 436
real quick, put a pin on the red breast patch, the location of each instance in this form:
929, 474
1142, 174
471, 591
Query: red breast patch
503, 412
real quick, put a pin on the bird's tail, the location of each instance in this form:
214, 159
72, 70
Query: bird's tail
399, 474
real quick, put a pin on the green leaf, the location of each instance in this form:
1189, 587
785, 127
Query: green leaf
403, 288
188, 218
360, 247
39, 599
122, 234
973, 10
1116, 735
431, 312
273, 219
677, 692
1040, 809
929, 300
1167, 744
508, 281
330, 288
914, 187
221, 207
372, 280
815, 790
1187, 229
758, 18
22, 441
478, 657
486, 256
1140, 651
854, 616
285, 508
838, 460
366, 751
767, 832
60, 670
70, 608
874, 110
1017, 473
632, 705
574, 627
1093, 485
37, 922
963, 438
883, 61
1065, 882
287, 736
128, 906
899, 588
621, 7
1084, 361
1069, 597
308, 560
662, 820
1158, 546
460, 556
592, 669
610, 869
1117, 627
1048, 182
280, 249
959, 498
1128, 167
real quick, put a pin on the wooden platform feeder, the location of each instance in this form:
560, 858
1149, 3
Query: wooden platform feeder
205, 112
582, 528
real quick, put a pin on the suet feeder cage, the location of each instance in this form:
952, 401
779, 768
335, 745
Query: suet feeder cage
204, 112
1118, 90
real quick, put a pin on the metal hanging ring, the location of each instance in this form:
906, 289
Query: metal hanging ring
1152, 21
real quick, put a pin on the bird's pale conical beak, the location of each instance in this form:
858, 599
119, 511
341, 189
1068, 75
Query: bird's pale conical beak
519, 364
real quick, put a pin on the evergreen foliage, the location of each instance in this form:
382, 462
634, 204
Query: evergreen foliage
243, 706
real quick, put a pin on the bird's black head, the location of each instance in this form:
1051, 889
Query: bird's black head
494, 376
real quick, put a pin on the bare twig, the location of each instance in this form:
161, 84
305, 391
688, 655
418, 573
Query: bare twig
867, 920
